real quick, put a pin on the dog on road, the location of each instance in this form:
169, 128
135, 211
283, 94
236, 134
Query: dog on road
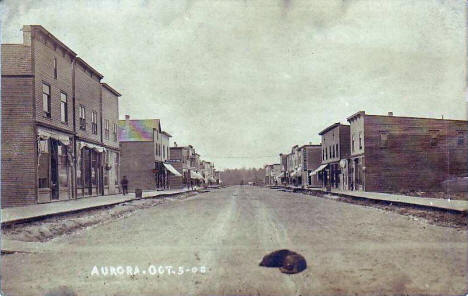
288, 261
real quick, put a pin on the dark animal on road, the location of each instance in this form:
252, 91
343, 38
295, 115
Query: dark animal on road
288, 261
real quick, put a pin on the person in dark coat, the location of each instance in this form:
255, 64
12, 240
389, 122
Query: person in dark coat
124, 183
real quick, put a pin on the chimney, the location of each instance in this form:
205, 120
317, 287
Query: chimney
390, 113
175, 144
442, 116
127, 118
27, 35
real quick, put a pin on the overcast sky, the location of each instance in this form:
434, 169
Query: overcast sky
245, 80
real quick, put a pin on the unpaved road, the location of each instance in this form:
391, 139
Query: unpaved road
350, 249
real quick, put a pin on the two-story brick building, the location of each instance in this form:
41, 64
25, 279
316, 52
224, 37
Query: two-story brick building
110, 140
310, 161
43, 82
335, 152
392, 153
144, 153
90, 151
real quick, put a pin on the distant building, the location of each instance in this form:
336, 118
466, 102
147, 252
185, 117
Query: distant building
335, 152
284, 168
143, 147
273, 174
309, 157
396, 154
187, 163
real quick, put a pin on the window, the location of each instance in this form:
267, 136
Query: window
94, 122
383, 139
352, 143
332, 148
106, 129
326, 153
360, 140
82, 117
43, 164
461, 138
46, 100
114, 131
434, 137
63, 107
164, 151
55, 67
336, 148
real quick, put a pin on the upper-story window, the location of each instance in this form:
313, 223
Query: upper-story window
164, 151
352, 143
337, 152
46, 100
63, 107
360, 140
383, 139
82, 117
55, 67
106, 129
460, 138
332, 148
94, 122
434, 137
114, 131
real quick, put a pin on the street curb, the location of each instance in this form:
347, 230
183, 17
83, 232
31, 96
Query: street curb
73, 211
400, 203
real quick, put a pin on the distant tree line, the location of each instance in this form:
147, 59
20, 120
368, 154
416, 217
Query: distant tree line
242, 176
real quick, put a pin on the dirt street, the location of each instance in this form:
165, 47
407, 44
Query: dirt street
214, 242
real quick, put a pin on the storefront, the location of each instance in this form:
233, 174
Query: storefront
321, 174
54, 166
90, 169
111, 172
356, 173
196, 178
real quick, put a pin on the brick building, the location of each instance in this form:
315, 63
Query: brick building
335, 151
187, 162
393, 154
90, 151
309, 156
41, 84
143, 153
110, 120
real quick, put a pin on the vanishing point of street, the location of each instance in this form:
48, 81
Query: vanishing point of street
215, 240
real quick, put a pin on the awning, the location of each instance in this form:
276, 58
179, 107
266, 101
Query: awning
91, 146
321, 167
293, 173
280, 175
64, 139
171, 169
195, 175
211, 179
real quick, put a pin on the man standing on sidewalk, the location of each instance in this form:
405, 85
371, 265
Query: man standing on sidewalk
124, 183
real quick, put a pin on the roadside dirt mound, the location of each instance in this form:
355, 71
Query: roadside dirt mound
44, 230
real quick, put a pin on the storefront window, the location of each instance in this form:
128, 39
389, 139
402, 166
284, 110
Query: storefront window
43, 169
63, 166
